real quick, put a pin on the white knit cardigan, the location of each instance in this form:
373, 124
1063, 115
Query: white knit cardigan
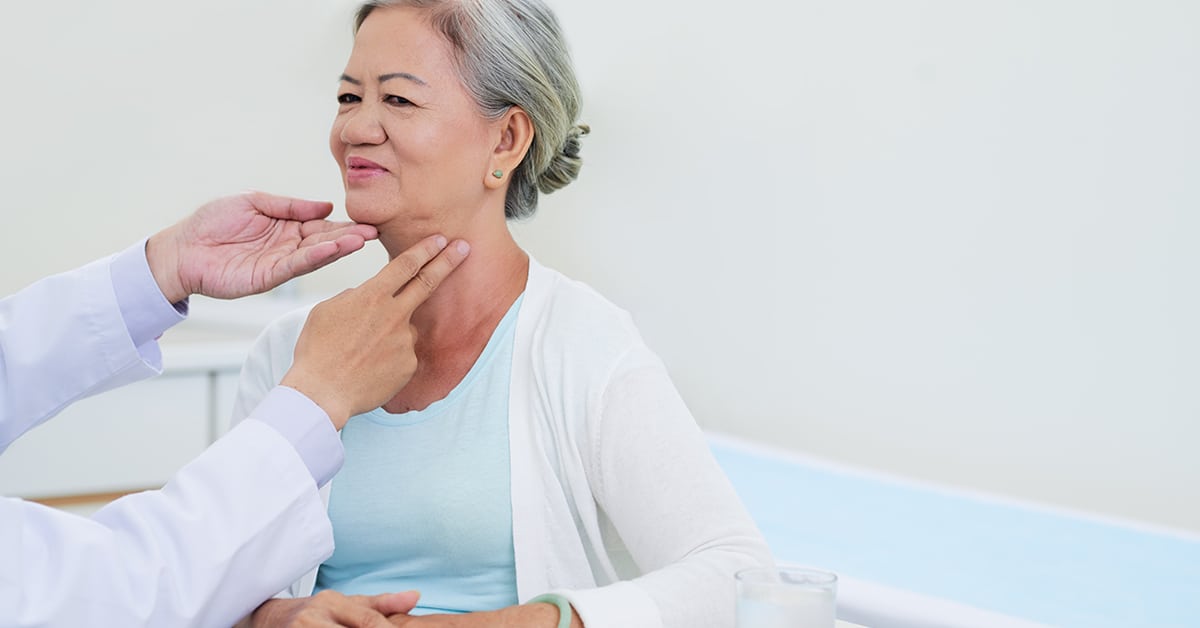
617, 502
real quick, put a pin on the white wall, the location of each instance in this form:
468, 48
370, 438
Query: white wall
952, 240
120, 117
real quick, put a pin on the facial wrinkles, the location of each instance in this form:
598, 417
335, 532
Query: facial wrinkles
438, 148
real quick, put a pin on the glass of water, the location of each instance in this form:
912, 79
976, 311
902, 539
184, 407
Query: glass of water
786, 597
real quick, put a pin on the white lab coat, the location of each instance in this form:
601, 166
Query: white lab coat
231, 528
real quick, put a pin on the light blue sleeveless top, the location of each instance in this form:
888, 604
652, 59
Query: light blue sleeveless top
423, 500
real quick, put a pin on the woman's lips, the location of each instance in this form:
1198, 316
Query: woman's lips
359, 169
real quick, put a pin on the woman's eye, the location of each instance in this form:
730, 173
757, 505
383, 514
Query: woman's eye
347, 99
396, 100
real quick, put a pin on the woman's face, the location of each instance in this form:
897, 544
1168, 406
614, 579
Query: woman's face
408, 137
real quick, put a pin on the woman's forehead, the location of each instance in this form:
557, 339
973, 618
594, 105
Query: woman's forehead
401, 36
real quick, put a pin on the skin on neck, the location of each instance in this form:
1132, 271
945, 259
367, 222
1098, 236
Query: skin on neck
454, 325
478, 294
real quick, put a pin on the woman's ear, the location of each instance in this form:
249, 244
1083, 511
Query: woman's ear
515, 135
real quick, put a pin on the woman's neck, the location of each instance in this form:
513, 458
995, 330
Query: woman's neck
454, 325
471, 301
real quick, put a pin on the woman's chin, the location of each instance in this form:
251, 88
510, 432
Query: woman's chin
369, 211
387, 213
364, 217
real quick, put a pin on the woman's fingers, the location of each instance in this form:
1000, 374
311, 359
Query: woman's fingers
395, 603
355, 615
361, 611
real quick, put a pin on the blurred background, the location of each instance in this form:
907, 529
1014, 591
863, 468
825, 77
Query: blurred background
956, 242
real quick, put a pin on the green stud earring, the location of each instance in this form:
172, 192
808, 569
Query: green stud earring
499, 174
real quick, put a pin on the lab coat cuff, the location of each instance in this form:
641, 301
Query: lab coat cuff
307, 427
146, 311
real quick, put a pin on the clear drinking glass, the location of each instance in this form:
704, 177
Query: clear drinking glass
786, 597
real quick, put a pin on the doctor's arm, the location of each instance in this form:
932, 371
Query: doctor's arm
245, 518
82, 332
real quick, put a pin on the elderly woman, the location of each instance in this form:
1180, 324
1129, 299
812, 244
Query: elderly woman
540, 452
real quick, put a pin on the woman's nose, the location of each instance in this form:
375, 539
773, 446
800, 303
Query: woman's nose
363, 127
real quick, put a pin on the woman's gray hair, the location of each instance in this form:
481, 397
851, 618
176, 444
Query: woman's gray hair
512, 52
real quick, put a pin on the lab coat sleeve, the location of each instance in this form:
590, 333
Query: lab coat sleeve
230, 529
66, 337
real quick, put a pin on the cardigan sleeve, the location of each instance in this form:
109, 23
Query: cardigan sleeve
672, 506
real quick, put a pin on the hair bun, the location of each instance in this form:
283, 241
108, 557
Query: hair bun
565, 165
571, 143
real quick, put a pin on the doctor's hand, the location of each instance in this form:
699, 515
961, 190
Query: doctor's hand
246, 244
330, 608
357, 350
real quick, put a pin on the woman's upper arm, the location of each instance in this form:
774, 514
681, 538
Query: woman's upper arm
668, 499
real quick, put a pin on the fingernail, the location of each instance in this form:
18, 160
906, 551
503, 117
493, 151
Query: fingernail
440, 241
463, 247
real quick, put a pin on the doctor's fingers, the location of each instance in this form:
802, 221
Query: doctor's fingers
419, 288
284, 207
411, 288
402, 268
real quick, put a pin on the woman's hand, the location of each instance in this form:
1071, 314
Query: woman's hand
539, 615
330, 608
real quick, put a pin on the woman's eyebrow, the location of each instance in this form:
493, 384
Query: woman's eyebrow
402, 75
386, 77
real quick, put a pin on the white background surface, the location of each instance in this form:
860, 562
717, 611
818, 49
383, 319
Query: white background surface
957, 241
130, 439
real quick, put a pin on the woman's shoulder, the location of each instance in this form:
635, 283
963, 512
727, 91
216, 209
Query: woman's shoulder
278, 339
564, 302
267, 360
570, 316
